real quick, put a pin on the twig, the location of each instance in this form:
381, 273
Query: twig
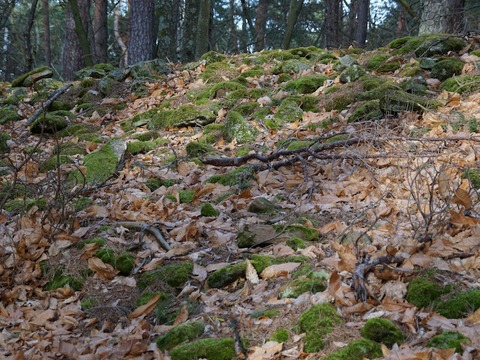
147, 227
47, 103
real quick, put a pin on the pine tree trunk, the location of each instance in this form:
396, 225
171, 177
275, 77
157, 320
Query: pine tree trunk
46, 33
203, 26
442, 16
362, 22
293, 12
261, 24
28, 37
100, 30
333, 15
142, 34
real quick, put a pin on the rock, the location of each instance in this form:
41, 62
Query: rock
262, 205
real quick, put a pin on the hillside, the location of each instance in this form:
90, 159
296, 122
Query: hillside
297, 203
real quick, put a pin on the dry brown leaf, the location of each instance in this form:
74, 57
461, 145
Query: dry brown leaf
279, 270
251, 274
103, 271
462, 197
145, 309
459, 220
266, 351
182, 316
444, 184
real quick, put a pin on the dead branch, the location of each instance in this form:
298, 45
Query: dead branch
47, 103
360, 273
142, 226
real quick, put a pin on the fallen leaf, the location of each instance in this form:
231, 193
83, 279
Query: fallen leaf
145, 309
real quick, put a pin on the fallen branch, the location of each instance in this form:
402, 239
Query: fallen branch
142, 226
47, 103
360, 273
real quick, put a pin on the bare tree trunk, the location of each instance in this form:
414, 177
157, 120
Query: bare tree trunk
247, 19
73, 59
118, 37
80, 10
46, 33
362, 22
333, 16
142, 34
442, 16
100, 30
293, 12
27, 36
261, 24
6, 8
233, 28
203, 26
188, 39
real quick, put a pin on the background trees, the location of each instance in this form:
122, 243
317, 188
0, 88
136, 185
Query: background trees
70, 34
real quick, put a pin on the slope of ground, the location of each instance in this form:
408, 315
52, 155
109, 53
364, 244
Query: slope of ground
282, 204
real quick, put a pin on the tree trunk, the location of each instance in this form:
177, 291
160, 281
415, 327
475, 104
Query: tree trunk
27, 36
118, 37
142, 35
46, 33
293, 12
442, 16
247, 19
261, 24
233, 28
6, 8
333, 16
362, 22
190, 20
203, 26
100, 30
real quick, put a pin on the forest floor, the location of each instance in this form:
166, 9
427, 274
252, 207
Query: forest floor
374, 203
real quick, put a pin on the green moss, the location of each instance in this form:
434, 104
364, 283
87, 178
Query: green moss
422, 291
227, 275
376, 60
213, 57
427, 45
294, 230
369, 110
23, 80
299, 286
154, 183
305, 102
61, 280
351, 74
183, 115
207, 209
106, 255
82, 203
54, 162
23, 205
383, 331
445, 69
211, 349
462, 84
147, 136
89, 302
292, 66
296, 243
186, 196
125, 263
303, 270
473, 176
449, 340
140, 147
459, 305
217, 71
101, 164
247, 109
240, 177
49, 124
196, 149
174, 275
306, 84
288, 112
357, 350
237, 127
221, 89
97, 240
81, 130
281, 336
88, 82
4, 137
180, 334
316, 323
298, 144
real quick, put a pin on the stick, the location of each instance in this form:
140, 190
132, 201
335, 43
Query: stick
47, 103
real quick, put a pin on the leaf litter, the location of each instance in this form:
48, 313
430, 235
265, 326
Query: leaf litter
402, 196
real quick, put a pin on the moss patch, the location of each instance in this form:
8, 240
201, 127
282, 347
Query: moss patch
179, 334
237, 127
444, 69
383, 331
460, 305
207, 209
316, 323
211, 349
240, 177
306, 84
357, 350
174, 275
449, 340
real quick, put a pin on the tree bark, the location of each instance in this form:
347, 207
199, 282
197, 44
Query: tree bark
203, 26
362, 22
100, 30
442, 16
293, 12
187, 41
261, 24
46, 33
142, 34
333, 15
233, 28
118, 37
27, 36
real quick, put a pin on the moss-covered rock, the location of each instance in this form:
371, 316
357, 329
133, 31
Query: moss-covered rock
316, 323
211, 57
288, 111
295, 230
357, 350
305, 84
124, 263
369, 110
154, 183
462, 84
54, 162
423, 291
49, 124
31, 77
222, 89
227, 275
316, 282
218, 71
383, 331
351, 74
208, 209
185, 115
296, 243
427, 45
237, 127
415, 85
210, 349
292, 66
459, 305
449, 340
102, 164
80, 130
4, 137
180, 334
195, 149
174, 275
261, 205
445, 69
